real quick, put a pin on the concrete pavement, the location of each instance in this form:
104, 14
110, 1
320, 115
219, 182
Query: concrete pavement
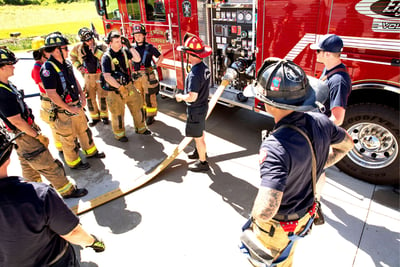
194, 219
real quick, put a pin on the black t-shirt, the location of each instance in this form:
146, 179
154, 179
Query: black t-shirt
151, 51
119, 61
89, 60
11, 104
285, 158
32, 218
52, 80
198, 81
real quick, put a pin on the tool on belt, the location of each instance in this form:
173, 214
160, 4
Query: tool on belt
252, 247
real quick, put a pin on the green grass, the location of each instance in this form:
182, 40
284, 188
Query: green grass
33, 20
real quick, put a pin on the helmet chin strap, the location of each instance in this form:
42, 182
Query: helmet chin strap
62, 56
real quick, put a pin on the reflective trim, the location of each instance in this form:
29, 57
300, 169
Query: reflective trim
58, 145
141, 130
90, 151
73, 163
152, 110
104, 114
65, 189
94, 116
120, 134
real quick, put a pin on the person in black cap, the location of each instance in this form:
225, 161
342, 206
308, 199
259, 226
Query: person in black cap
36, 227
328, 50
286, 200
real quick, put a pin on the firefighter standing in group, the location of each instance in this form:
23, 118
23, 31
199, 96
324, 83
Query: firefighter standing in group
116, 67
86, 57
46, 112
67, 95
34, 156
285, 205
144, 75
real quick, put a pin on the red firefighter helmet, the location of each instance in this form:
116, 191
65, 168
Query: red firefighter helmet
195, 46
138, 28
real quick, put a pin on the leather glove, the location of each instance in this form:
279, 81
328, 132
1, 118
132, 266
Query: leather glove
123, 91
125, 41
98, 245
43, 139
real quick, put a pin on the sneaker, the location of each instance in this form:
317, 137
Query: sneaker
147, 132
78, 192
105, 121
93, 123
199, 166
123, 139
81, 166
98, 155
195, 155
150, 120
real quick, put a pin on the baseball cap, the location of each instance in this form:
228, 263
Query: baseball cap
329, 43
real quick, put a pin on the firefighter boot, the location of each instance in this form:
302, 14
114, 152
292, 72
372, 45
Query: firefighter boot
76, 192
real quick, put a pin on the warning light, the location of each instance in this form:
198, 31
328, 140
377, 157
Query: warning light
233, 29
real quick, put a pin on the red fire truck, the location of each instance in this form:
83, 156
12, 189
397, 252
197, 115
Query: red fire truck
242, 33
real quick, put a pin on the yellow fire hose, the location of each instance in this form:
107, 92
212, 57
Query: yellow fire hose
145, 178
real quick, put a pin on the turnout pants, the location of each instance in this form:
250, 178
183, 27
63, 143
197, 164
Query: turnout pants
45, 112
279, 239
95, 96
116, 106
148, 86
36, 160
69, 128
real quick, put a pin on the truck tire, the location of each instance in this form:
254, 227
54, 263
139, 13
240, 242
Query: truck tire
375, 156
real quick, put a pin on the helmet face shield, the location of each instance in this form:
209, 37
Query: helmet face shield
85, 34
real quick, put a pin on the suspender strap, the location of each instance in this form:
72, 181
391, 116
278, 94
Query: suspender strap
333, 72
62, 78
14, 91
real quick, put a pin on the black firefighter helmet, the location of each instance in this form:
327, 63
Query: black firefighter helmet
283, 84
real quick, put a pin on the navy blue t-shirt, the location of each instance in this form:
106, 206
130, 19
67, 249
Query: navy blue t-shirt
32, 218
151, 51
52, 80
119, 62
285, 158
339, 89
11, 104
198, 81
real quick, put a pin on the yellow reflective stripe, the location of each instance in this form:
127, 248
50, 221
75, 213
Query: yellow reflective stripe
104, 114
73, 163
90, 151
66, 188
55, 67
94, 116
119, 134
141, 129
58, 144
77, 64
2, 85
99, 53
151, 109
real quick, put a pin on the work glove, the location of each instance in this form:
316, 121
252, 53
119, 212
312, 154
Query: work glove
125, 41
82, 70
43, 139
98, 245
123, 91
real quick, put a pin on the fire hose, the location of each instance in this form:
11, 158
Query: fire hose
83, 207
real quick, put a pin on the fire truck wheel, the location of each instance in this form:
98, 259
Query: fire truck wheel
375, 131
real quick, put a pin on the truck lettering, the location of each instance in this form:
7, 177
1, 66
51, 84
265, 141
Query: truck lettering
393, 7
391, 25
